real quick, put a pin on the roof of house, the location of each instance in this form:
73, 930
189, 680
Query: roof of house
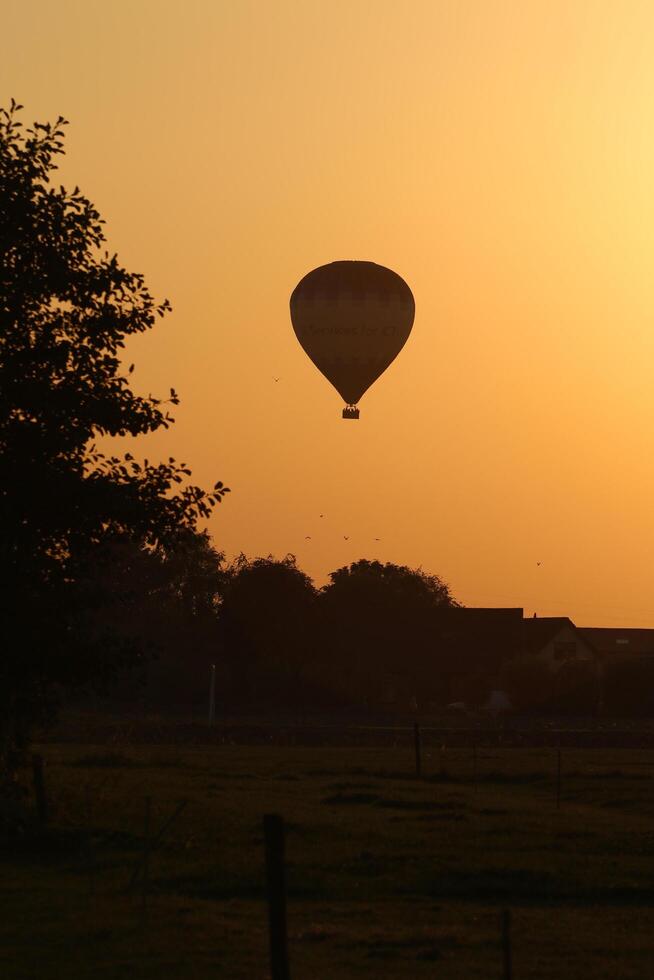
620, 641
541, 630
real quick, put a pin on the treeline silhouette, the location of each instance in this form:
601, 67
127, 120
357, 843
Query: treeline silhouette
377, 635
372, 634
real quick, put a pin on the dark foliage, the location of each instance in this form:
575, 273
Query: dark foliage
67, 308
160, 608
268, 632
381, 626
277, 642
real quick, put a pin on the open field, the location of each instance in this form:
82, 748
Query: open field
389, 875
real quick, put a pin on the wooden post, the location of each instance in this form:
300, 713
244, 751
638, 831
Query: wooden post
507, 956
212, 694
474, 766
416, 742
273, 832
90, 850
39, 791
146, 854
558, 777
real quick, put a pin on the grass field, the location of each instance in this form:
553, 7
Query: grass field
389, 876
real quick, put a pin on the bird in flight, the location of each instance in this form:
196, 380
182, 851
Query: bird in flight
322, 515
346, 537
275, 379
538, 563
307, 537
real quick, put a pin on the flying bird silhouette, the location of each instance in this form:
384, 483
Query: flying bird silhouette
307, 537
538, 563
346, 537
275, 379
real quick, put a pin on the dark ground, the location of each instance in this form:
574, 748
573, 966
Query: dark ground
389, 875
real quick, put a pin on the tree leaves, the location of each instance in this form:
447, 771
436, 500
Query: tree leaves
67, 308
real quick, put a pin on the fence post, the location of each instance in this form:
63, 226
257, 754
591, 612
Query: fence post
506, 944
416, 742
39, 791
90, 851
212, 694
558, 776
273, 832
146, 854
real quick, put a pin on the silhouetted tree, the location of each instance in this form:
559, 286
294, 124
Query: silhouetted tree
186, 636
66, 309
157, 607
381, 629
267, 628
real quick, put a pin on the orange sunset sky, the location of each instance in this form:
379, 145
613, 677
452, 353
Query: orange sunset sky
498, 155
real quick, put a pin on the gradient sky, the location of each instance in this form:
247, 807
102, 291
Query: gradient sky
498, 155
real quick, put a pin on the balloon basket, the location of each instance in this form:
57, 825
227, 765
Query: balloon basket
350, 412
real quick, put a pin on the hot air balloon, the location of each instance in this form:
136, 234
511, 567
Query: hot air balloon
352, 319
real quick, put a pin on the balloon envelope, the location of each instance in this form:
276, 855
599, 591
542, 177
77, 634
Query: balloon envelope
352, 319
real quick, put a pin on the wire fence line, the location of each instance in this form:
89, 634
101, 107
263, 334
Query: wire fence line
422, 756
523, 732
